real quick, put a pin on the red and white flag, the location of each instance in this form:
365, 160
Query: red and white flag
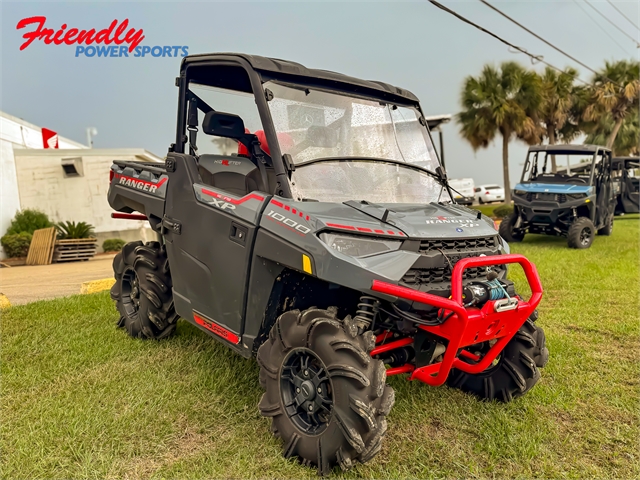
49, 138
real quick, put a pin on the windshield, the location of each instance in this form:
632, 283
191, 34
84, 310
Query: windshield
373, 181
314, 124
342, 130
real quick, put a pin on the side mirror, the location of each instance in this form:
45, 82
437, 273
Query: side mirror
323, 137
223, 124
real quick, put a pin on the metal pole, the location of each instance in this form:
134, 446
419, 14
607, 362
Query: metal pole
441, 147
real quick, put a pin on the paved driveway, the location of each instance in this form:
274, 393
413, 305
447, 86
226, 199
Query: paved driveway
29, 283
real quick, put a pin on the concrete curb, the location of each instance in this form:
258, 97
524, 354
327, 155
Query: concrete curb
4, 301
97, 285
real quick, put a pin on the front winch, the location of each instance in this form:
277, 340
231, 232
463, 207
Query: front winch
477, 293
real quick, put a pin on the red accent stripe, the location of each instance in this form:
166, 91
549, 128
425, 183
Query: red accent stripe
129, 216
344, 227
364, 229
215, 328
290, 209
146, 182
234, 201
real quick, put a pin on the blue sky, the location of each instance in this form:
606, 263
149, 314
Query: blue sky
132, 101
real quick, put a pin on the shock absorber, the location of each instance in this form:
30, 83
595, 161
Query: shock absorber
366, 312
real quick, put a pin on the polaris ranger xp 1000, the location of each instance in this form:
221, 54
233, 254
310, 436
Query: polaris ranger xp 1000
304, 218
576, 201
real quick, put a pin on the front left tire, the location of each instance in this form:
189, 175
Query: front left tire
326, 397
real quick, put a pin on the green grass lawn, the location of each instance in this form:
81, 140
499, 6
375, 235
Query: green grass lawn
80, 399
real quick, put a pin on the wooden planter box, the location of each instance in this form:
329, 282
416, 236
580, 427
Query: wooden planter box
75, 249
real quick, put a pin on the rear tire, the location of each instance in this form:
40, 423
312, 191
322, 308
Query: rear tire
142, 291
349, 399
581, 233
515, 372
506, 229
608, 228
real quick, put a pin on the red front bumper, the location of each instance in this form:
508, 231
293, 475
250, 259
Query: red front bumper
465, 326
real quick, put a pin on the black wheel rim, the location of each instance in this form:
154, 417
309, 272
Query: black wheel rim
306, 391
585, 236
130, 292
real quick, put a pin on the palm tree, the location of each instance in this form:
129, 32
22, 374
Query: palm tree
504, 101
627, 140
616, 92
558, 98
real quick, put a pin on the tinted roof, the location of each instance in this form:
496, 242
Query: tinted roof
625, 159
295, 72
567, 149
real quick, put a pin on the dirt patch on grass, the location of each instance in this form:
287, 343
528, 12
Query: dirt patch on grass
188, 443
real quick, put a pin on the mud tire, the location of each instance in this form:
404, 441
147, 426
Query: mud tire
142, 291
506, 229
516, 371
581, 233
355, 426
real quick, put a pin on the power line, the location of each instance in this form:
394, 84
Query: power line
612, 23
538, 36
537, 58
620, 12
599, 26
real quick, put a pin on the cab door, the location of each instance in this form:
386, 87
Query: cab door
209, 236
605, 196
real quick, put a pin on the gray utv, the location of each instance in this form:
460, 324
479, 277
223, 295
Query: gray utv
303, 217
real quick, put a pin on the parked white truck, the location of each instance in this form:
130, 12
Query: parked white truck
463, 190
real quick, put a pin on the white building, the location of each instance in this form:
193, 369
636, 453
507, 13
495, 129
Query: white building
68, 183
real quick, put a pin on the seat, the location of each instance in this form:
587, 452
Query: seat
236, 175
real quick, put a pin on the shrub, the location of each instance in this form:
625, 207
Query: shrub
113, 244
502, 211
28, 221
16, 244
73, 230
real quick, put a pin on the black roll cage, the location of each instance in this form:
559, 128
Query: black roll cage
606, 153
257, 79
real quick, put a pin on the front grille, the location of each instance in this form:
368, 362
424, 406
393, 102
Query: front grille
419, 276
444, 254
458, 245
546, 197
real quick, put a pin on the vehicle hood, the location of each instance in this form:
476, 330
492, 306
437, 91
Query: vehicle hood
402, 220
552, 188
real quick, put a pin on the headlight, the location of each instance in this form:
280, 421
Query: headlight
520, 192
577, 196
359, 246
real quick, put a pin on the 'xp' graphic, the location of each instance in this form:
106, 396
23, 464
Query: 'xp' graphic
113, 41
